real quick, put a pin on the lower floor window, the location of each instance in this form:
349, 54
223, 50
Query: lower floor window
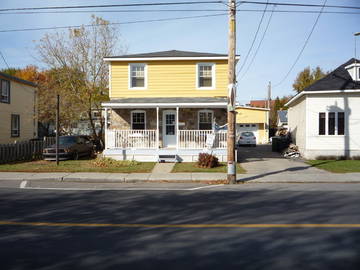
205, 120
15, 125
335, 123
138, 120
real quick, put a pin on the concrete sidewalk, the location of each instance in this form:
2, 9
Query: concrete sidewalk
269, 177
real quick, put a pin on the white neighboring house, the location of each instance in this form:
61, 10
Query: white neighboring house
324, 119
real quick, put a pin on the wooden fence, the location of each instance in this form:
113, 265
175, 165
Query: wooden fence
22, 151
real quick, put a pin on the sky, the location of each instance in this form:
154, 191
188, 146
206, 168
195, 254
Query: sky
331, 44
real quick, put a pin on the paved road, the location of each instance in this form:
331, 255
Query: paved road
99, 234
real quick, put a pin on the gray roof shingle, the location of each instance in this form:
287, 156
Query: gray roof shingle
171, 53
339, 79
16, 79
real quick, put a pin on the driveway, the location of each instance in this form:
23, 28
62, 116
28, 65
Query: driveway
261, 161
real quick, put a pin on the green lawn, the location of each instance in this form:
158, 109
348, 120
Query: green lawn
191, 167
336, 166
77, 166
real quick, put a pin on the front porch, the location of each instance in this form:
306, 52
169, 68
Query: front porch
144, 131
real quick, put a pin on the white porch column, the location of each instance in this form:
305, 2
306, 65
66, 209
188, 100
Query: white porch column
157, 128
177, 127
106, 131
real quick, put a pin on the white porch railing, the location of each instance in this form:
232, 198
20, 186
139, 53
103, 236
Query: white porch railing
147, 139
196, 139
131, 139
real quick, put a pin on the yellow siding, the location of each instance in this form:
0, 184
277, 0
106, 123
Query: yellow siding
247, 115
22, 102
168, 79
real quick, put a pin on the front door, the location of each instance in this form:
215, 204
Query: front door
169, 128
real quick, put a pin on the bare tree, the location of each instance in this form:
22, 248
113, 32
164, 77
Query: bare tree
82, 50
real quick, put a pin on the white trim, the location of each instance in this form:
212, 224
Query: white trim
205, 111
165, 105
213, 76
145, 76
321, 92
177, 127
109, 59
106, 128
110, 73
157, 129
138, 111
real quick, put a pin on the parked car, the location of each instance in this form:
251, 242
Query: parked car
70, 147
247, 138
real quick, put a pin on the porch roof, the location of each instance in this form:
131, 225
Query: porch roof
172, 102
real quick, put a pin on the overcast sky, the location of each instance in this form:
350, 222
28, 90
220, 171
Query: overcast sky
331, 44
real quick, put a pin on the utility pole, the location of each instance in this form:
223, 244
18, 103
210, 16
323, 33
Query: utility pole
57, 128
231, 163
269, 96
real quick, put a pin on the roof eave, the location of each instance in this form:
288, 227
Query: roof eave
124, 59
165, 105
320, 92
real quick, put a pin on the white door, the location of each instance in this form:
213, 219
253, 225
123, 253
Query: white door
248, 127
169, 128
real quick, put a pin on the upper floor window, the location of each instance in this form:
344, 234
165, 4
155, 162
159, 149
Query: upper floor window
205, 76
205, 120
335, 123
5, 91
138, 76
15, 125
138, 120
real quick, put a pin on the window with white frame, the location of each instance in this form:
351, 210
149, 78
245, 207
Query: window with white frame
15, 125
138, 119
5, 91
332, 123
137, 76
206, 75
205, 120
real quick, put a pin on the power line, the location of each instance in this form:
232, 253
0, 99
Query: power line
303, 47
297, 4
174, 10
117, 5
258, 47
253, 42
119, 23
2, 56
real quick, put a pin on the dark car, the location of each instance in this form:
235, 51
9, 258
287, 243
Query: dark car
70, 147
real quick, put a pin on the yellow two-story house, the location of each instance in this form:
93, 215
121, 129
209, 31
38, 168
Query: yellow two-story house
166, 104
18, 109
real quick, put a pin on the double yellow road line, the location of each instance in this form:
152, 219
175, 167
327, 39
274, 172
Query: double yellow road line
190, 226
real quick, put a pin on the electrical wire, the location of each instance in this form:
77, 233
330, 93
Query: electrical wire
174, 10
297, 4
258, 47
253, 42
115, 5
303, 47
118, 23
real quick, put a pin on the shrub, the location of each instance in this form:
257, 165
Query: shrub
104, 162
206, 160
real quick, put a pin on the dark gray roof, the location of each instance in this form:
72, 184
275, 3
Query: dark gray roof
7, 76
168, 100
339, 79
172, 53
282, 115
